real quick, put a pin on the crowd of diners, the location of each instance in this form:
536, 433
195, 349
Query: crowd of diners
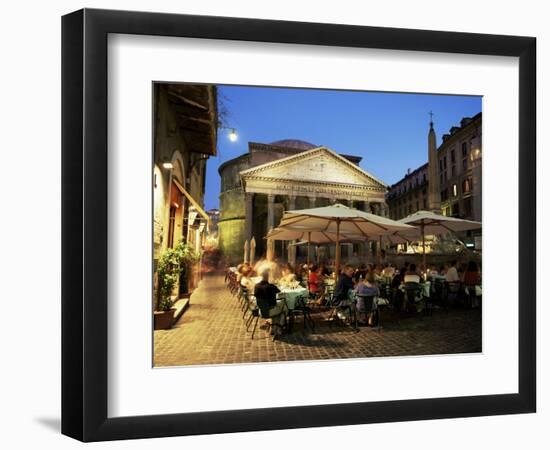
365, 280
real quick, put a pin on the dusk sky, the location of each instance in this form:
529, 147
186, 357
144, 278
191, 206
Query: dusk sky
388, 130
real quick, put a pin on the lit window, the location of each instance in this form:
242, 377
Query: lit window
455, 193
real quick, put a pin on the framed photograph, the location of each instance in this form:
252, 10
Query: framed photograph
272, 225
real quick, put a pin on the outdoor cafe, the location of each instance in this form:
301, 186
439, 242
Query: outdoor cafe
333, 291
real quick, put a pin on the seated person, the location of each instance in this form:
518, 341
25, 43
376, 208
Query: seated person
433, 271
366, 290
471, 275
287, 269
303, 274
245, 278
324, 270
378, 272
360, 273
343, 286
412, 276
452, 274
397, 279
388, 271
315, 284
266, 299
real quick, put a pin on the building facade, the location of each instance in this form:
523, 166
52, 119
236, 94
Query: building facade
450, 183
258, 186
185, 136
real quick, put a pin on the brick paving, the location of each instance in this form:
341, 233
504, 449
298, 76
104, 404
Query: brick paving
212, 331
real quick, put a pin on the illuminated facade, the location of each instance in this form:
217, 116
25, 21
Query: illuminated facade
185, 136
258, 186
450, 183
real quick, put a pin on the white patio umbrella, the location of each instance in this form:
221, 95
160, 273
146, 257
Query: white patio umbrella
341, 221
252, 251
432, 223
246, 251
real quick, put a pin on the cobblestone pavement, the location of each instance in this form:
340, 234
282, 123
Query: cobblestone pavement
212, 331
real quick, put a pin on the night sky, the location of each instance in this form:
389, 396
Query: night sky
388, 130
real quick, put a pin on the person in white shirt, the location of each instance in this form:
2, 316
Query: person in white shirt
452, 274
412, 276
246, 280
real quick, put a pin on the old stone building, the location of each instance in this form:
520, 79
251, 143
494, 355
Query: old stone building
450, 183
409, 194
185, 136
258, 186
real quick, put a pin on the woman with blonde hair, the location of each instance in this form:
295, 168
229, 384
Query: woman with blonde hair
246, 280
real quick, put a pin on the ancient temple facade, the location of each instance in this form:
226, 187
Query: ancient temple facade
258, 186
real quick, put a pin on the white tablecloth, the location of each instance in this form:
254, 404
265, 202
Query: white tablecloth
291, 295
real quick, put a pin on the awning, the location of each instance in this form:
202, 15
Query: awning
193, 201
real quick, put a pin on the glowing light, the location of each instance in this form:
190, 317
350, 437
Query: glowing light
233, 135
167, 165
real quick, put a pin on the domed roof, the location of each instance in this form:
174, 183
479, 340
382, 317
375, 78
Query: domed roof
294, 143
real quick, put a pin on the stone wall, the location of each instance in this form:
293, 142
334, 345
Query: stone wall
231, 225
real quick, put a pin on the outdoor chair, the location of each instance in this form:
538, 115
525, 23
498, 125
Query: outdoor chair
412, 292
341, 309
452, 289
233, 283
302, 309
248, 299
471, 295
385, 290
367, 305
243, 297
439, 293
261, 310
254, 315
396, 299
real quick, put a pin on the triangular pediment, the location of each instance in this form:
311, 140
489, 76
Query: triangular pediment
319, 165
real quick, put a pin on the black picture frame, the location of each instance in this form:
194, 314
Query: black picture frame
84, 224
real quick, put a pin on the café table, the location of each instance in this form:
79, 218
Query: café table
291, 295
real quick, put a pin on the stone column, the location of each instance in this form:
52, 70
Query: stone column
377, 209
365, 245
291, 202
366, 206
248, 206
312, 201
270, 211
291, 250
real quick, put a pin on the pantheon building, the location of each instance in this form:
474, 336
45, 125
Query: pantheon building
259, 185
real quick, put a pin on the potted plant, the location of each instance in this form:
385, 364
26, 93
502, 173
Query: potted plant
187, 257
168, 270
173, 265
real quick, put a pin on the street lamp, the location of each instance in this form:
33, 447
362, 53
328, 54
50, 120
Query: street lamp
233, 135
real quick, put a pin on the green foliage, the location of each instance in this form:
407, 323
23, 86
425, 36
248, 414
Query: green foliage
172, 263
